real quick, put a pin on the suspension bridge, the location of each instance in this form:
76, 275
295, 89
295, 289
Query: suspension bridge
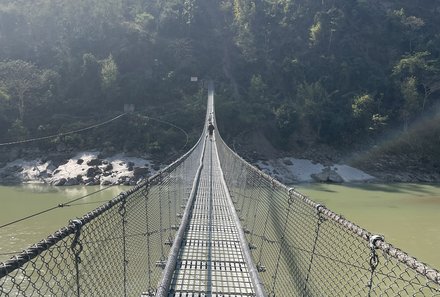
210, 224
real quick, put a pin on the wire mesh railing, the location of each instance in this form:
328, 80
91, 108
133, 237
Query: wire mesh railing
301, 248
118, 249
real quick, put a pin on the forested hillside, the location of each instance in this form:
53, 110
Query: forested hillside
302, 72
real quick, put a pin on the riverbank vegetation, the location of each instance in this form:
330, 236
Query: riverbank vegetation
303, 73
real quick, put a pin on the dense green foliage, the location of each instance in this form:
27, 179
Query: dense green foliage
335, 72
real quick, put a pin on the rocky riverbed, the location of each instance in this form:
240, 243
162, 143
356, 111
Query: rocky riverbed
92, 168
85, 168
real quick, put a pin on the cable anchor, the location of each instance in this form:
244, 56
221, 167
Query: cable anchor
319, 208
77, 248
76, 245
291, 196
374, 258
122, 209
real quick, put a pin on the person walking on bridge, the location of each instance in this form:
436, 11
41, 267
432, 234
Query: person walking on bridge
211, 129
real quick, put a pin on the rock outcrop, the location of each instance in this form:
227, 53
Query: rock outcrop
82, 169
328, 175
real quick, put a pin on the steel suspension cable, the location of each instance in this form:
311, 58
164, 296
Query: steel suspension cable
54, 207
64, 133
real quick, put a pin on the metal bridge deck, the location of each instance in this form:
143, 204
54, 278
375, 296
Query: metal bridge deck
210, 260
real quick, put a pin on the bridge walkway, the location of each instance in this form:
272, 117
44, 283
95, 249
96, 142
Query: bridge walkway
211, 260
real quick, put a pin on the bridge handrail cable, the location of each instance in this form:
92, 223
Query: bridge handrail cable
422, 268
68, 239
371, 242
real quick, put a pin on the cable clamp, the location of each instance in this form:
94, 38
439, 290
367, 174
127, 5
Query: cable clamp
261, 268
373, 240
77, 223
319, 208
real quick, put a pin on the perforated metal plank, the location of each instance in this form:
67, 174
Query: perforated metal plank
210, 260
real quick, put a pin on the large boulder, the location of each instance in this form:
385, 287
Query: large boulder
94, 162
106, 182
44, 174
71, 182
124, 180
327, 175
93, 171
59, 182
140, 171
288, 162
58, 159
108, 167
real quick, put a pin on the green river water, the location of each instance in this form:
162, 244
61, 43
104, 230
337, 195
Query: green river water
408, 215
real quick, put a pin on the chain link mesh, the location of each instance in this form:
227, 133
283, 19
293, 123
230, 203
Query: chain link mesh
303, 249
119, 249
300, 248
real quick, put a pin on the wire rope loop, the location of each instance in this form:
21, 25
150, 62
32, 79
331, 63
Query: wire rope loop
151, 291
374, 261
146, 188
76, 245
319, 208
291, 198
77, 249
122, 209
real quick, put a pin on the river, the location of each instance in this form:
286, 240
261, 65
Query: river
408, 215
22, 201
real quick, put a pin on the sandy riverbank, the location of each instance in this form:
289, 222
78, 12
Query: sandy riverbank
291, 170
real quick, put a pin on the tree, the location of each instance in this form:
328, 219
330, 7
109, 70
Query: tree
286, 118
315, 32
244, 14
21, 79
315, 102
363, 111
421, 71
324, 27
411, 23
363, 106
109, 73
411, 97
378, 122
257, 88
4, 96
